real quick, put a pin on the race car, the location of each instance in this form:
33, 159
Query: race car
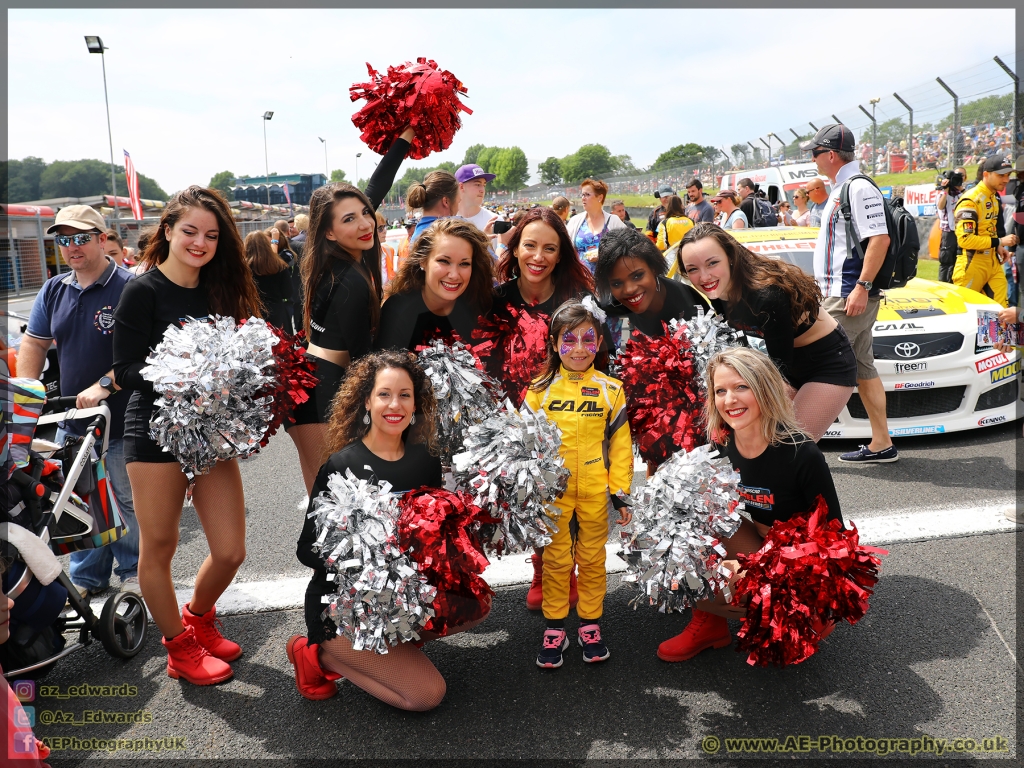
937, 377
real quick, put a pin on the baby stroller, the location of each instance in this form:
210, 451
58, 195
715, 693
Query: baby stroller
57, 499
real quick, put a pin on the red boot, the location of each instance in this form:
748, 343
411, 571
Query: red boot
208, 636
574, 594
705, 630
312, 680
188, 659
535, 597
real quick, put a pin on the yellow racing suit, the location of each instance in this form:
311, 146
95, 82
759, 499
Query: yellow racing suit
977, 263
590, 409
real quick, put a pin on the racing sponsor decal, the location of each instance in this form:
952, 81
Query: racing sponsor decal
914, 385
590, 391
899, 327
834, 432
585, 406
762, 498
1006, 372
929, 430
989, 420
991, 362
104, 320
910, 367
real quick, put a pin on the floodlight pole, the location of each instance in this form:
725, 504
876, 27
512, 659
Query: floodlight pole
327, 172
97, 47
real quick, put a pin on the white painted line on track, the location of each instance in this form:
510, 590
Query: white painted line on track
287, 592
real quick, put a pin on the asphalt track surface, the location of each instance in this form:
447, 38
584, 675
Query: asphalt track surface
935, 655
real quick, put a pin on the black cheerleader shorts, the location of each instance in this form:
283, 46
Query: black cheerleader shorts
317, 409
138, 445
829, 360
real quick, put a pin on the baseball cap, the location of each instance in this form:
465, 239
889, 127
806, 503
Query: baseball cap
834, 136
470, 172
997, 164
78, 216
664, 189
724, 193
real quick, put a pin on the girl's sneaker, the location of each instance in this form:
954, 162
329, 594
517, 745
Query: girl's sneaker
550, 656
590, 640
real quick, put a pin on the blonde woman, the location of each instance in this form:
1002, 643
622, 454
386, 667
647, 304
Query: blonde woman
727, 203
750, 420
802, 216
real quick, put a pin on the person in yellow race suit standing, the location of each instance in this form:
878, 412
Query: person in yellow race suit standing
979, 261
590, 409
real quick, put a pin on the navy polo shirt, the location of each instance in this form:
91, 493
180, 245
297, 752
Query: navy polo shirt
81, 320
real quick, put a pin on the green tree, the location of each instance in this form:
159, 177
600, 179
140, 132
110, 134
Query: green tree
86, 178
486, 156
223, 182
680, 155
739, 153
338, 175
472, 154
589, 161
550, 171
511, 169
20, 179
624, 165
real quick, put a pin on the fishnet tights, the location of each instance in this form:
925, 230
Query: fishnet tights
403, 677
817, 405
159, 492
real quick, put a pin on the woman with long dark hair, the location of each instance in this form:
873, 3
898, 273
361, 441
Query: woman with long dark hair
342, 294
271, 275
195, 267
778, 306
444, 286
382, 429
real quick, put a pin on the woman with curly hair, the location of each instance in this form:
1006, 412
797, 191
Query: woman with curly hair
444, 286
778, 307
381, 428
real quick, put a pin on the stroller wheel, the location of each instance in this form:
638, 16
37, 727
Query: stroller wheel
122, 625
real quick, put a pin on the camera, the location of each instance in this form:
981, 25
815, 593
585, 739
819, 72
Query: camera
953, 180
501, 227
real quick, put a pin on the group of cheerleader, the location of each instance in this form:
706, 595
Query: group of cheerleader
372, 410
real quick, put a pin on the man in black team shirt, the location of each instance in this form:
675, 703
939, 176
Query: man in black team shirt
76, 310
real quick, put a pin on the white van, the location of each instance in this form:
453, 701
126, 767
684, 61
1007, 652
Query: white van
778, 181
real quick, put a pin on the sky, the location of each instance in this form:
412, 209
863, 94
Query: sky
188, 88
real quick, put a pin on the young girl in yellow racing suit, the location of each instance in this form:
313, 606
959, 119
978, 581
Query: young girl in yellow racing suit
590, 409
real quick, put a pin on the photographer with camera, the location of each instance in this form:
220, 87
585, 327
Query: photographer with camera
952, 185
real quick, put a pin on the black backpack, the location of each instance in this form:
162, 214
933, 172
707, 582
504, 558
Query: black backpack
764, 214
900, 263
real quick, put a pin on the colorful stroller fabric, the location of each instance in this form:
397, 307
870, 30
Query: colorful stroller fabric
23, 402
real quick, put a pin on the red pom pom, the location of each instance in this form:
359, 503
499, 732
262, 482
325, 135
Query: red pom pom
293, 376
809, 574
664, 403
513, 344
435, 530
419, 96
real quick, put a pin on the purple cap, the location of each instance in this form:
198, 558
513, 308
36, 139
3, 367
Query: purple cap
470, 172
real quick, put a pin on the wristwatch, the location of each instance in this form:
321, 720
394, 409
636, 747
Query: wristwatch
866, 283
108, 384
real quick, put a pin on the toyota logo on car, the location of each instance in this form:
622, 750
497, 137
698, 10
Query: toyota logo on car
907, 349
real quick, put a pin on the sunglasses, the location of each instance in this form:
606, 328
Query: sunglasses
819, 151
65, 240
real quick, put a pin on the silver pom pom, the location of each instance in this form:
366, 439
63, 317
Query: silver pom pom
381, 598
208, 376
708, 334
512, 466
680, 517
465, 394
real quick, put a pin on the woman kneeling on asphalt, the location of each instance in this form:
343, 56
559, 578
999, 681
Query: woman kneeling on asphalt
782, 472
381, 428
778, 307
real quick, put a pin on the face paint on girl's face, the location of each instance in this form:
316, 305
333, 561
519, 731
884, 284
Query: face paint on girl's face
570, 340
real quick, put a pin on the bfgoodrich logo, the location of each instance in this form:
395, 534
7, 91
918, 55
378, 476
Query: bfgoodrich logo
914, 385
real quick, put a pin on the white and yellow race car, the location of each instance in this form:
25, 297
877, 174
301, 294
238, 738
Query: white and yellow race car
937, 377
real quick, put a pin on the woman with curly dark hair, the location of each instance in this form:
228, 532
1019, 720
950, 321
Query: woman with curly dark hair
444, 286
195, 267
778, 306
382, 428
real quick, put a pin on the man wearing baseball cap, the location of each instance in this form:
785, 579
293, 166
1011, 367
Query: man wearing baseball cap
473, 183
658, 214
77, 311
845, 274
979, 262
